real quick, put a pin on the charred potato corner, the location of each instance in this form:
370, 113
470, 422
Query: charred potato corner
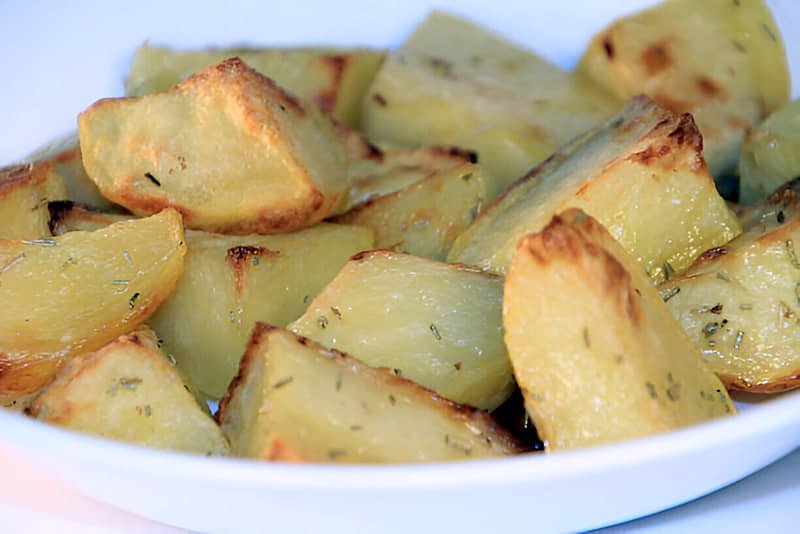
446, 251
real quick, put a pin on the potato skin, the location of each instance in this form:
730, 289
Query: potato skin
595, 351
52, 288
296, 401
184, 149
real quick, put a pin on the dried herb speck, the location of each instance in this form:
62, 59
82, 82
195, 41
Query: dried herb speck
669, 293
152, 178
435, 332
133, 299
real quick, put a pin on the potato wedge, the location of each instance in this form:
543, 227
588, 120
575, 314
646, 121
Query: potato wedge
65, 155
770, 154
721, 60
185, 148
595, 351
739, 304
334, 79
68, 216
230, 282
25, 191
641, 174
129, 392
295, 401
423, 218
76, 292
454, 82
398, 311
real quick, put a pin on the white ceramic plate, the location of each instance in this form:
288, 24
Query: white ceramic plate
59, 58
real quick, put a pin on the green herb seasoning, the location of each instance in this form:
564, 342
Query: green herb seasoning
586, 340
323, 322
133, 299
336, 312
739, 337
435, 331
651, 389
152, 178
44, 242
7, 267
283, 382
710, 329
669, 293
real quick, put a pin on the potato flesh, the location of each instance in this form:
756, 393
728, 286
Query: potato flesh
24, 193
230, 282
129, 392
334, 79
296, 401
456, 83
739, 75
770, 154
450, 313
641, 175
595, 351
184, 148
739, 305
65, 155
52, 288
424, 218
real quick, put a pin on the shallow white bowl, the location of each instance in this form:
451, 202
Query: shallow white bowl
63, 57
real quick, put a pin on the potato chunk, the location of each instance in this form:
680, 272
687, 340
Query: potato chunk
437, 324
739, 302
185, 148
334, 79
25, 191
595, 351
423, 218
721, 60
770, 154
230, 282
456, 83
641, 174
76, 292
294, 400
65, 155
129, 392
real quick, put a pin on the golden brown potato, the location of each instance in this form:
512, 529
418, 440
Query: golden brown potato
436, 324
65, 155
129, 392
423, 218
74, 293
334, 79
25, 191
770, 154
296, 401
456, 83
595, 351
68, 216
721, 60
230, 282
739, 302
641, 174
185, 148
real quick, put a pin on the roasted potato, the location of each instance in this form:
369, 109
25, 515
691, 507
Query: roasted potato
230, 282
185, 148
595, 351
739, 302
641, 174
334, 79
74, 293
770, 154
25, 191
721, 60
65, 155
295, 401
68, 216
128, 391
436, 324
423, 218
456, 83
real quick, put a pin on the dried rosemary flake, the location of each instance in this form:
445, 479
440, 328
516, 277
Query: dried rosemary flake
120, 282
669, 272
452, 442
723, 276
44, 242
152, 178
769, 31
148, 411
397, 372
323, 321
255, 261
651, 389
435, 332
797, 292
339, 383
392, 400
710, 329
7, 267
781, 217
745, 307
739, 337
280, 383
669, 293
133, 299
674, 391
336, 312
466, 177
306, 299
586, 340
127, 257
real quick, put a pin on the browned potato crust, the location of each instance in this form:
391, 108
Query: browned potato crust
25, 191
185, 148
293, 400
595, 351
